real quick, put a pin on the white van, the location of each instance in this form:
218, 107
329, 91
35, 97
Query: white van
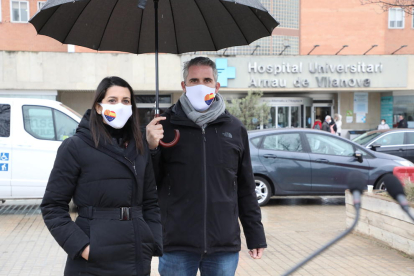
31, 131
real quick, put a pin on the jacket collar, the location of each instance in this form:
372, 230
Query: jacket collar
178, 117
84, 132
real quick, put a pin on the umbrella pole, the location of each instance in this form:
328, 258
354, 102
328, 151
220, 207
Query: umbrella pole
157, 92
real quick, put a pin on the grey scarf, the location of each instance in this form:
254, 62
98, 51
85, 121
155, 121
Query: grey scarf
202, 119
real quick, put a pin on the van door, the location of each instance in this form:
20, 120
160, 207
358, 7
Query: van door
35, 150
5, 150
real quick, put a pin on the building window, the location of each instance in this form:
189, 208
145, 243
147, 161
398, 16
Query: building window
396, 18
20, 11
40, 5
412, 20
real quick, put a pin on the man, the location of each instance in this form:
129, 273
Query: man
205, 182
326, 126
402, 123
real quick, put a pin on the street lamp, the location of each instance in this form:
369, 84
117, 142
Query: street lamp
341, 49
257, 46
314, 46
399, 49
373, 46
286, 46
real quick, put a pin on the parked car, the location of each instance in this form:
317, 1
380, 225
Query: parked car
398, 142
312, 162
31, 131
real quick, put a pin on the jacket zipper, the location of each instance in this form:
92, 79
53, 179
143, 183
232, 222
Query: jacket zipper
205, 190
133, 164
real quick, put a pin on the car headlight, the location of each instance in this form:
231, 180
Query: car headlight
404, 163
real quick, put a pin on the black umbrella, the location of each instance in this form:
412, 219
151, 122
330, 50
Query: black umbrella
126, 26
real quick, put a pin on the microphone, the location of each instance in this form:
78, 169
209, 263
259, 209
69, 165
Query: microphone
356, 182
396, 190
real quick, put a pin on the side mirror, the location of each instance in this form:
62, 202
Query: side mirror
375, 146
358, 156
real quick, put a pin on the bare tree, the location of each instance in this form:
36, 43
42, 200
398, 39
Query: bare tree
249, 110
406, 5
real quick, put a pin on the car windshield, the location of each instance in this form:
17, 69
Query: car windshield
366, 137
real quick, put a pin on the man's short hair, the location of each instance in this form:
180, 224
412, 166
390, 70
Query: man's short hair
327, 117
197, 62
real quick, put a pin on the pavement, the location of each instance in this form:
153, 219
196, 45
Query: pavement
295, 227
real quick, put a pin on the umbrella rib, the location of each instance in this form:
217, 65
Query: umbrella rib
75, 22
106, 25
235, 21
270, 32
48, 19
212, 40
140, 28
175, 30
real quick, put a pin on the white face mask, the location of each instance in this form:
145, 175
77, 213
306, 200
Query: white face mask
116, 115
382, 123
201, 97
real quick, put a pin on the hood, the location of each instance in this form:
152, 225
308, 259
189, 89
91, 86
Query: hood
339, 117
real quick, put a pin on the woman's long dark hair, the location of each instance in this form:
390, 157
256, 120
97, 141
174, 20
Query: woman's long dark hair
131, 128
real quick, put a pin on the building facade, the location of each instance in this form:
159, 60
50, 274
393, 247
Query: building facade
326, 57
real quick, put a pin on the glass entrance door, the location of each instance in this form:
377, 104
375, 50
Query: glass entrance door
282, 116
285, 116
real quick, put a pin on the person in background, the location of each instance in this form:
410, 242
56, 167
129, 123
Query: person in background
402, 123
332, 125
383, 125
338, 123
326, 126
106, 168
317, 124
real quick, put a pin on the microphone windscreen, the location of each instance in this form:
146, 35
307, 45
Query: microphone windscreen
356, 181
393, 185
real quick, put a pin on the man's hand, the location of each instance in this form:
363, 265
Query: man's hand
85, 253
256, 253
155, 132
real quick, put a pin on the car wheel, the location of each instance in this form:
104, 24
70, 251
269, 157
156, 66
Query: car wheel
380, 185
263, 191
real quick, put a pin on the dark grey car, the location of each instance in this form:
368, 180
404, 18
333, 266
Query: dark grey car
312, 162
399, 142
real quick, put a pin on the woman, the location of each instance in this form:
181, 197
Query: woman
383, 125
338, 123
106, 168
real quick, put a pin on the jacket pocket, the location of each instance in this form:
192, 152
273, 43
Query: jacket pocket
229, 152
145, 231
112, 247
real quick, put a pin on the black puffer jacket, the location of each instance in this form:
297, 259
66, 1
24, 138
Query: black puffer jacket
101, 180
205, 184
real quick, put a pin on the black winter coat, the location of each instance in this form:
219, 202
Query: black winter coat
106, 178
402, 124
205, 184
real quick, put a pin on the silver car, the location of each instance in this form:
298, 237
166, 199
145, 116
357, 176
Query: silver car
312, 162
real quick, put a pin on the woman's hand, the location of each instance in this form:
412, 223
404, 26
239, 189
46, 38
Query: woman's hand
85, 253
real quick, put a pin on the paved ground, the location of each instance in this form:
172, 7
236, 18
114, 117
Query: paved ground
295, 227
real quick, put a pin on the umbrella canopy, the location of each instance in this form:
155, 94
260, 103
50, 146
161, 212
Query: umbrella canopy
184, 25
